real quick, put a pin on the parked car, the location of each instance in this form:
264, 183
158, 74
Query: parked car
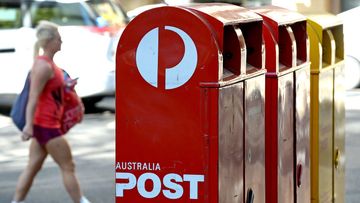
352, 46
88, 29
136, 11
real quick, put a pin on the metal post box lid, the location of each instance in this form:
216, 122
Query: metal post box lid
235, 25
326, 29
327, 40
279, 16
323, 21
162, 39
286, 40
226, 13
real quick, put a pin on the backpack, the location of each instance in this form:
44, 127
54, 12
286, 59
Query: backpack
73, 107
18, 109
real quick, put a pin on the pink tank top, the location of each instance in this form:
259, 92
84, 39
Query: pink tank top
49, 109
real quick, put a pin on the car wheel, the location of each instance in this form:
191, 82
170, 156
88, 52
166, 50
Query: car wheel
90, 103
352, 72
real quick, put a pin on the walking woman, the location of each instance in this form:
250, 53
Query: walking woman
43, 115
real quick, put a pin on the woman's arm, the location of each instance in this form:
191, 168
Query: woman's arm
40, 74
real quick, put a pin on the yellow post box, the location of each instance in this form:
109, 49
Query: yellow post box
327, 108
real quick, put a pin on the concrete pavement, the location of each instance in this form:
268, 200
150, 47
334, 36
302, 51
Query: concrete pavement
93, 144
352, 150
93, 147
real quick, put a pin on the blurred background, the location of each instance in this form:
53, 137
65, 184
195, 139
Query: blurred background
333, 6
90, 31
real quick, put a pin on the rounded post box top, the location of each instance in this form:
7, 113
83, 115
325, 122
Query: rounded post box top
278, 15
222, 17
285, 38
168, 48
323, 21
227, 14
327, 40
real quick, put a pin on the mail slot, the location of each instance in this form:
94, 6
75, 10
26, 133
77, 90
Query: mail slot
287, 105
190, 107
327, 108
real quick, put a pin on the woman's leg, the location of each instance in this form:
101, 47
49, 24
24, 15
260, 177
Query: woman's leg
37, 155
60, 151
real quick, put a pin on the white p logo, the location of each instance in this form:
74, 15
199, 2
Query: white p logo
147, 59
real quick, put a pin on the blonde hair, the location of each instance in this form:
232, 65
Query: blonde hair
45, 32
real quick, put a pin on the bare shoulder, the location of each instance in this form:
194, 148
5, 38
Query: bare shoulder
42, 69
42, 65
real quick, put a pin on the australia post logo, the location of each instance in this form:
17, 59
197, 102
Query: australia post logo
147, 56
172, 186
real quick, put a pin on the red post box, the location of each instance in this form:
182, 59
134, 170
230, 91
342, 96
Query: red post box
190, 106
287, 105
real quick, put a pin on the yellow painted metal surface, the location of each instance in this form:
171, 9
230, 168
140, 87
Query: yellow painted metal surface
325, 135
339, 135
327, 121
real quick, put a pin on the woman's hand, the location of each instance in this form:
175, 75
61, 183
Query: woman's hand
70, 83
27, 132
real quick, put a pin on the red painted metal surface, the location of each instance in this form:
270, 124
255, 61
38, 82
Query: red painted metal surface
287, 105
171, 136
254, 141
302, 118
175, 129
251, 53
231, 143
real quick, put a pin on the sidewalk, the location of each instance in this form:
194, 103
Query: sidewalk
352, 146
94, 152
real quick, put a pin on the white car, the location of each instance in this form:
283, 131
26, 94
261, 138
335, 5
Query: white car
88, 29
136, 11
352, 46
